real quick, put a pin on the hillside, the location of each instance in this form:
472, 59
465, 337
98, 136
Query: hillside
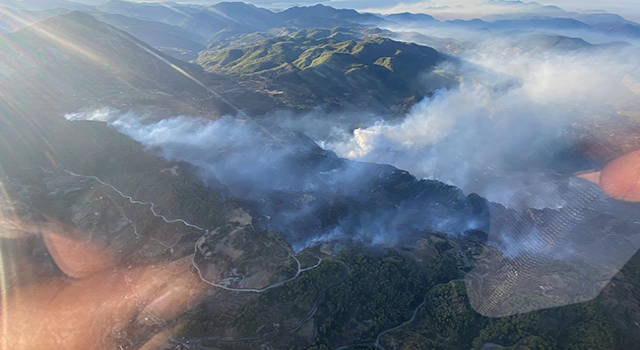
229, 18
74, 59
325, 16
311, 66
71, 62
172, 40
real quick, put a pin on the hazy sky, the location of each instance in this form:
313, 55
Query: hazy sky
626, 8
459, 8
478, 8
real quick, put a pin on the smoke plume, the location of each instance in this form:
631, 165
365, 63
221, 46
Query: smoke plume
289, 183
508, 131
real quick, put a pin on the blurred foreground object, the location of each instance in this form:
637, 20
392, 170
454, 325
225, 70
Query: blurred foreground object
105, 306
542, 258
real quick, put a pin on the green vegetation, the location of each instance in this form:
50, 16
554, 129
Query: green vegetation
339, 66
298, 296
313, 48
262, 315
447, 321
379, 293
382, 292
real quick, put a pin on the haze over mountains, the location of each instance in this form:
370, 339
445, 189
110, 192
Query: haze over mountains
448, 148
185, 31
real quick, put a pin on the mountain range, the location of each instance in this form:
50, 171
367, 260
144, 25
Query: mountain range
93, 97
202, 25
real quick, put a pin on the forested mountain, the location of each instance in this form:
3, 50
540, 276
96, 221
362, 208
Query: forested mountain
306, 67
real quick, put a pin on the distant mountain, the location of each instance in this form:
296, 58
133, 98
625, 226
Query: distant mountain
608, 24
304, 70
227, 19
125, 23
520, 24
611, 24
542, 42
604, 23
470, 24
243, 12
169, 13
172, 40
322, 16
600, 18
626, 29
541, 23
407, 18
223, 20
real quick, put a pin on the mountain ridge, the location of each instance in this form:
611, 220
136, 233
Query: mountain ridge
333, 68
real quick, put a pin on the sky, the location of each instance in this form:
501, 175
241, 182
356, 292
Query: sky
448, 9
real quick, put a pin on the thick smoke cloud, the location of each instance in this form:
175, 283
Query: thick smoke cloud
507, 131
291, 184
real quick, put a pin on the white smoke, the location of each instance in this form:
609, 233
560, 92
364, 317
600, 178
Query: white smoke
499, 133
290, 183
